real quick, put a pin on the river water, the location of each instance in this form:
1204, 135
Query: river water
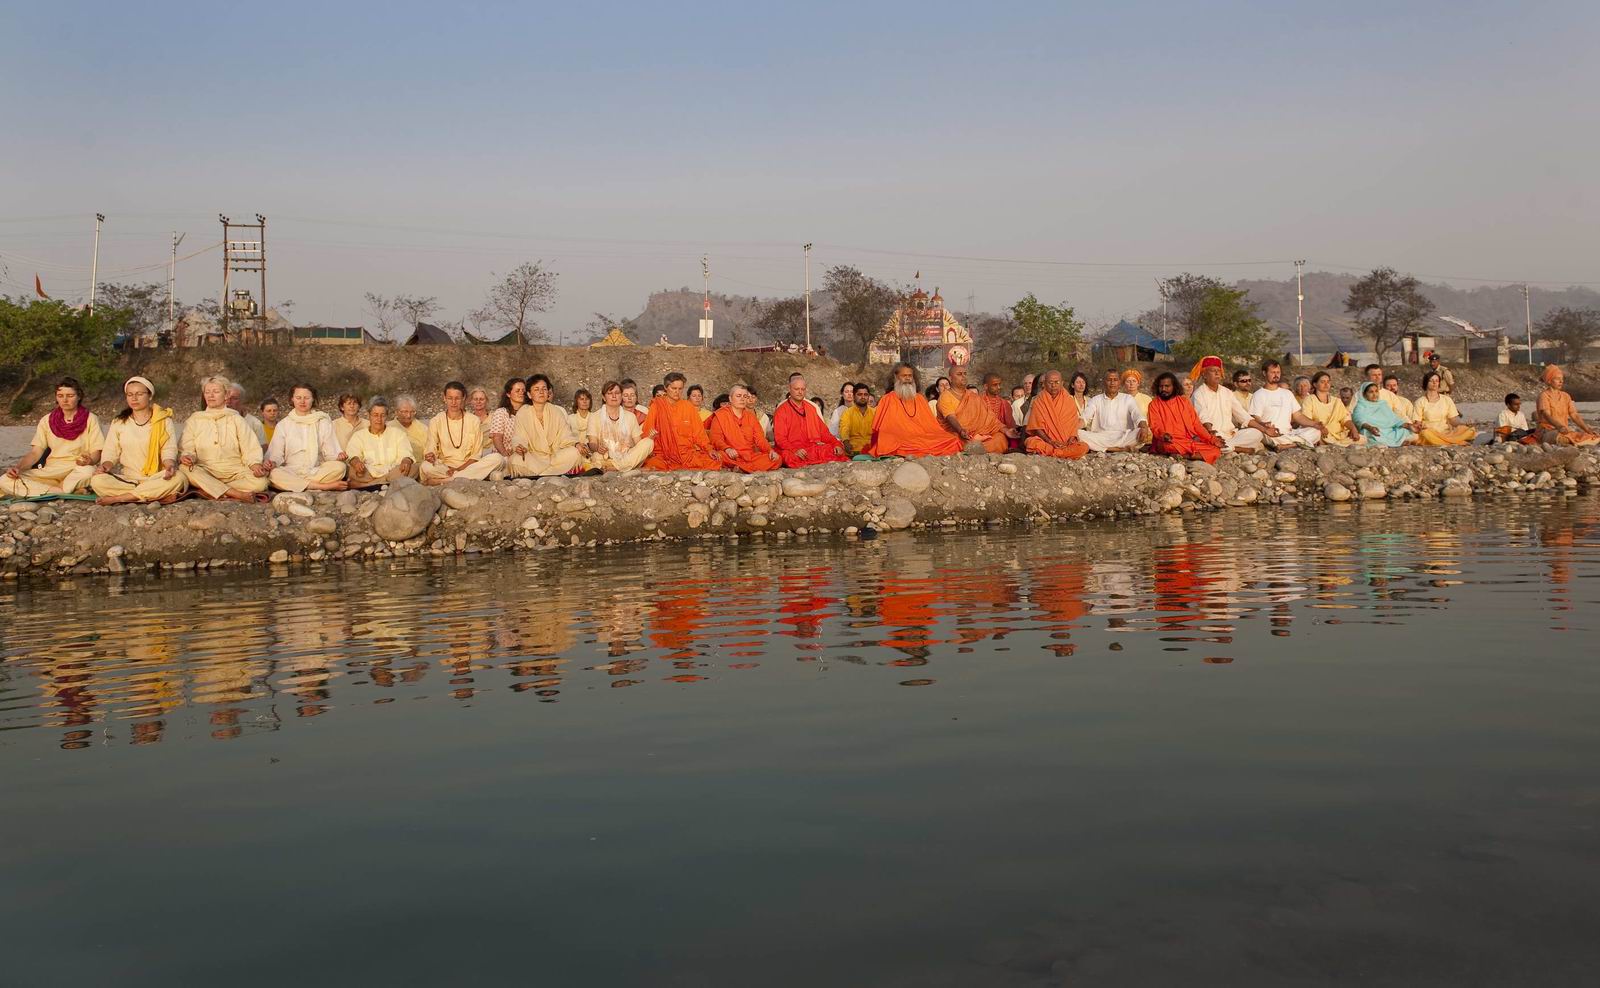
1253, 747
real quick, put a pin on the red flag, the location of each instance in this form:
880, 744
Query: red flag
38, 286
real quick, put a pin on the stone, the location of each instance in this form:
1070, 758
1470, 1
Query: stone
279, 556
898, 512
405, 512
114, 561
1171, 499
1007, 468
1284, 477
300, 510
322, 525
368, 507
911, 477
347, 502
458, 498
802, 487
207, 521
283, 499
1372, 490
1335, 491
571, 506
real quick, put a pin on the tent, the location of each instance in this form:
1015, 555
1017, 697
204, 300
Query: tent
1128, 342
614, 338
427, 334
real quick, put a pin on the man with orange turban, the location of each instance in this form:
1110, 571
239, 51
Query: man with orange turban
737, 435
1220, 410
1558, 418
904, 424
1053, 422
967, 415
673, 422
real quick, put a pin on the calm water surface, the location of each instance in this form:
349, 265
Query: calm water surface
1255, 748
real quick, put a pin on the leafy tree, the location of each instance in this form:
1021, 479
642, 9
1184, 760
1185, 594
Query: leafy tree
1223, 321
1571, 329
991, 334
511, 303
1052, 331
145, 305
861, 305
1185, 296
784, 320
45, 338
1386, 306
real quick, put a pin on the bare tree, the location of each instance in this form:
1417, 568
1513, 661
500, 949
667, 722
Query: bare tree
511, 303
415, 308
861, 306
1387, 306
383, 312
598, 327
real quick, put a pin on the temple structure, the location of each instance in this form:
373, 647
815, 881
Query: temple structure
923, 333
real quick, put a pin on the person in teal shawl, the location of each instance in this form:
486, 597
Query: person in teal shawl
1378, 422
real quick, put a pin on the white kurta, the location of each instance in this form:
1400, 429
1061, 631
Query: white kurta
224, 449
1277, 407
618, 441
544, 434
60, 472
306, 451
1111, 423
1221, 411
380, 455
455, 442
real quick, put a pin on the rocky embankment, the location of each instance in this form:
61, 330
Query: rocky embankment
848, 498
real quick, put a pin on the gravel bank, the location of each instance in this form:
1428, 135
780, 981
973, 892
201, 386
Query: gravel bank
849, 498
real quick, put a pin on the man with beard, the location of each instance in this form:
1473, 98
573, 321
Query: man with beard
1175, 429
967, 415
1277, 410
855, 425
800, 432
1053, 422
905, 424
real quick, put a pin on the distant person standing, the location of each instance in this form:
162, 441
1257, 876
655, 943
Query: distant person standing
1447, 380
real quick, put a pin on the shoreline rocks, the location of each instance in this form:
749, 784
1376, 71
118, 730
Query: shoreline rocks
856, 499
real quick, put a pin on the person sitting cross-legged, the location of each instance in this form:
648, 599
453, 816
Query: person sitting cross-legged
1175, 428
304, 454
801, 433
71, 437
379, 453
542, 443
139, 463
453, 449
737, 435
1053, 422
219, 453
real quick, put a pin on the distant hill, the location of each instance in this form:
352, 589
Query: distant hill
676, 313
1328, 327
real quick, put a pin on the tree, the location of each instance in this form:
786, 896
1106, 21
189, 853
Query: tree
1185, 295
784, 320
42, 338
1223, 321
1386, 306
861, 305
1571, 329
598, 327
415, 308
510, 304
145, 305
1052, 331
383, 311
991, 334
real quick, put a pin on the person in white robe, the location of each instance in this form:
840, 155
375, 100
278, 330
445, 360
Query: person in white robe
139, 463
304, 453
1220, 410
1277, 411
542, 444
1113, 420
380, 453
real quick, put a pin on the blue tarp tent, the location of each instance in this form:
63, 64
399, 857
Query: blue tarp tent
1128, 342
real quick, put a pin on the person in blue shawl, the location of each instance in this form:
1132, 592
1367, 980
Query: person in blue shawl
1378, 422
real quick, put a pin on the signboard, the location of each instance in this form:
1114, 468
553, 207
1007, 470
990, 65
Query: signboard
958, 355
705, 329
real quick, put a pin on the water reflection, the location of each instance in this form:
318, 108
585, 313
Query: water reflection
116, 662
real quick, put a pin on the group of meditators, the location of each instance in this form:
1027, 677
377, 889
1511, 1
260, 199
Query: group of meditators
222, 451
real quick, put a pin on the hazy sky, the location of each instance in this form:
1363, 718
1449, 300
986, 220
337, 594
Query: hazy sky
416, 148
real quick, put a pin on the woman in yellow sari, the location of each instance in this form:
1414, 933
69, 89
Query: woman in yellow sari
1330, 415
140, 460
1439, 418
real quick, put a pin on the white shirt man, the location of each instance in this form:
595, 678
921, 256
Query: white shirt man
1278, 411
1221, 411
1112, 420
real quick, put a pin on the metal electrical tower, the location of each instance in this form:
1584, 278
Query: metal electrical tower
246, 256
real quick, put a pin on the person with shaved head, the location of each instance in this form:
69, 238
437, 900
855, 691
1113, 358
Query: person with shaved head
673, 422
966, 414
1053, 421
801, 433
736, 433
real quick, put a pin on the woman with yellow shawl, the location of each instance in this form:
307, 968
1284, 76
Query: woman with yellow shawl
1328, 413
139, 463
1439, 418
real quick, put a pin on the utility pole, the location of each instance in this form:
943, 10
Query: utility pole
807, 249
172, 271
1300, 307
1163, 290
1527, 313
94, 265
705, 268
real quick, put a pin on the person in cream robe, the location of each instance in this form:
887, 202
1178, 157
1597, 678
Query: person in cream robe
542, 444
453, 449
219, 453
305, 453
380, 453
140, 460
615, 441
72, 436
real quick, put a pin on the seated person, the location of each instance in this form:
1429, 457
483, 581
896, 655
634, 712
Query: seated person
139, 463
304, 454
453, 449
219, 452
966, 414
737, 435
1438, 416
855, 422
1053, 422
1558, 418
72, 437
271, 411
380, 453
904, 423
614, 441
799, 431
1112, 421
542, 444
405, 416
674, 423
1175, 429
1379, 422
1278, 411
1512, 426
1328, 414
1221, 411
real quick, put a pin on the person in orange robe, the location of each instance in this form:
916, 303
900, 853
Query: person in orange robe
1175, 429
737, 435
1558, 419
674, 423
904, 425
800, 432
994, 396
1053, 422
967, 415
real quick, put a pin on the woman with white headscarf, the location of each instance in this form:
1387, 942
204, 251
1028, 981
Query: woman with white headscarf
305, 453
139, 463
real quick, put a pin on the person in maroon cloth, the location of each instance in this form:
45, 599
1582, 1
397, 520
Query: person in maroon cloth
1175, 429
799, 432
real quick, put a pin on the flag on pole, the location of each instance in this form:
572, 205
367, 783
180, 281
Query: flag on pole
38, 286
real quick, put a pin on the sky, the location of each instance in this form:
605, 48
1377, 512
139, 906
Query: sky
1077, 151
